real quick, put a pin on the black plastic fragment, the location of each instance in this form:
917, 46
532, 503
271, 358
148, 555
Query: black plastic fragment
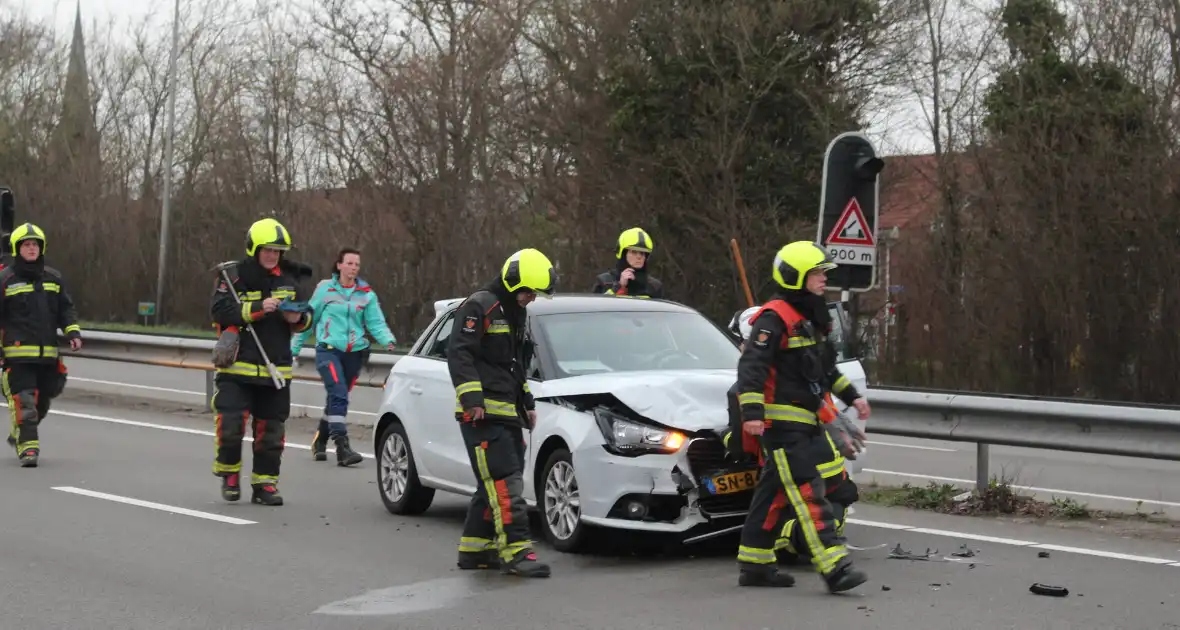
1049, 591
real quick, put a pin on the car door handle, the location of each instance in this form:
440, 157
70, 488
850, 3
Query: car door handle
415, 389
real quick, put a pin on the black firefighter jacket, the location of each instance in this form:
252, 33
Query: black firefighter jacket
783, 374
486, 357
253, 284
35, 305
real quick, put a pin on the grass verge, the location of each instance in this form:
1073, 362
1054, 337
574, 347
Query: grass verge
999, 499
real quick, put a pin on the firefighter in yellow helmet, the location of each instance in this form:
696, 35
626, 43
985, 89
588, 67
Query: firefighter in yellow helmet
845, 440
259, 292
486, 357
35, 305
630, 277
782, 381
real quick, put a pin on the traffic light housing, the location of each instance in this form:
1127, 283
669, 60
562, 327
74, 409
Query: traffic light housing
849, 211
7, 222
7, 211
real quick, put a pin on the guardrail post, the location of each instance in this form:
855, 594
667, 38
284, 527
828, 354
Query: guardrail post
208, 388
981, 465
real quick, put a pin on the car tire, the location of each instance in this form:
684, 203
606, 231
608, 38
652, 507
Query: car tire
554, 506
396, 469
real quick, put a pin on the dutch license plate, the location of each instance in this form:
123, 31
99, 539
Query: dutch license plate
729, 483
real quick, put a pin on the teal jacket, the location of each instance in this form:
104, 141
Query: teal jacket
342, 315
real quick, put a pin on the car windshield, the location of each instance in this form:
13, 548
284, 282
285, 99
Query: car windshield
635, 341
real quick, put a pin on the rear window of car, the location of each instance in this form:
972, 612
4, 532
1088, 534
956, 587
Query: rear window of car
597, 342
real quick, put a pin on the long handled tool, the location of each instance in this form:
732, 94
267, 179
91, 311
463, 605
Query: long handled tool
741, 267
275, 377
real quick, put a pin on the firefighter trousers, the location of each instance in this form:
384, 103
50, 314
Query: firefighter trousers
791, 487
497, 517
841, 492
234, 403
28, 388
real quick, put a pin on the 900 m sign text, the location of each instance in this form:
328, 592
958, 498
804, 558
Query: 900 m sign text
853, 255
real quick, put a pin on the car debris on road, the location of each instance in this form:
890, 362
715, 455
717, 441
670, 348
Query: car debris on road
965, 556
1048, 591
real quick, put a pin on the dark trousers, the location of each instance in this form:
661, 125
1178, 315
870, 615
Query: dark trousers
841, 492
338, 370
497, 517
234, 403
791, 485
28, 388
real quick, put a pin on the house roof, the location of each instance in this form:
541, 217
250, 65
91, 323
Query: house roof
909, 190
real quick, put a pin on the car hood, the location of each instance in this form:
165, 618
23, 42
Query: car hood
690, 400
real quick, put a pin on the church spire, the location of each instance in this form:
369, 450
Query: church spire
77, 132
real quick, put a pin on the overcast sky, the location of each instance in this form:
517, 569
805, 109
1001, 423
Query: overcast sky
898, 130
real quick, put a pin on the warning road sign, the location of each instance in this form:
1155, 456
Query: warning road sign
851, 242
852, 228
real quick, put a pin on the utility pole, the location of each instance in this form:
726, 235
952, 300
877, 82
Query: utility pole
166, 210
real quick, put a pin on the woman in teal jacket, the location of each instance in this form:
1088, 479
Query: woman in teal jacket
344, 309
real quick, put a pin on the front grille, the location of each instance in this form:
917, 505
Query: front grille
707, 455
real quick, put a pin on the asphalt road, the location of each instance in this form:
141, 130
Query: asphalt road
1102, 482
334, 558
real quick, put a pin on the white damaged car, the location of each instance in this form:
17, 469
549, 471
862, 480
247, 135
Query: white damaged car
630, 409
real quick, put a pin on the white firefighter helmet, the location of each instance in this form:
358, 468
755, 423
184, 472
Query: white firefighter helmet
745, 326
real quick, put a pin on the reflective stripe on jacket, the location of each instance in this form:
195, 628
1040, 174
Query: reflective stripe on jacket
484, 357
32, 309
782, 374
253, 285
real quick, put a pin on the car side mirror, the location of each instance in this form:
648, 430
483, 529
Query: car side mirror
533, 366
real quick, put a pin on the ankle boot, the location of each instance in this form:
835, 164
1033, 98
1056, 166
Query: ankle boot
266, 494
525, 564
766, 575
231, 488
845, 577
345, 456
319, 444
29, 456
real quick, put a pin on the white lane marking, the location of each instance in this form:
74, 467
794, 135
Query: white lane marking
156, 506
1032, 488
176, 429
877, 524
1012, 542
915, 446
166, 427
170, 390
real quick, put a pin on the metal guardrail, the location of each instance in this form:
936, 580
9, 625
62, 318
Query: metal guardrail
1141, 431
1101, 428
195, 354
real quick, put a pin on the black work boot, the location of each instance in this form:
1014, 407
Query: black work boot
345, 456
788, 558
231, 487
525, 564
11, 441
28, 457
844, 577
471, 560
319, 444
764, 575
267, 494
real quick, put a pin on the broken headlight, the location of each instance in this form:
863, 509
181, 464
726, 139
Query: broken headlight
630, 438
